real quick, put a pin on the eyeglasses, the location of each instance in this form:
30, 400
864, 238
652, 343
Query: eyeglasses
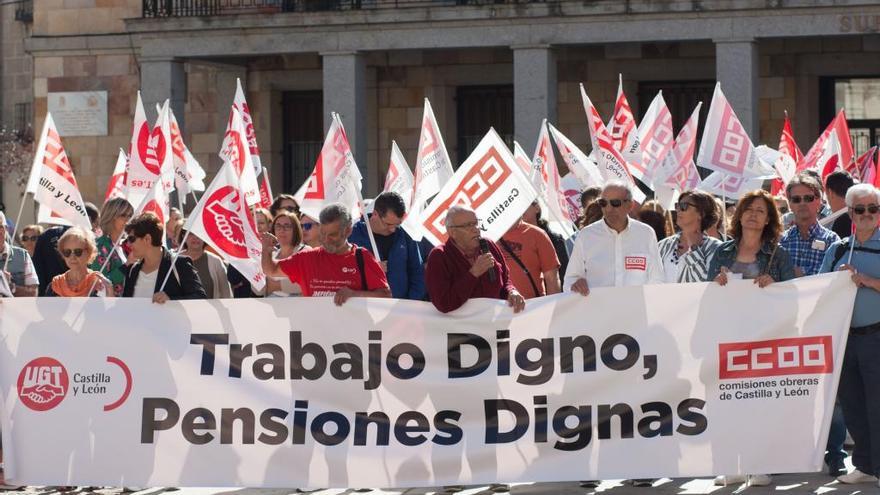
284, 226
469, 225
29, 238
860, 209
683, 206
807, 198
67, 253
307, 226
615, 203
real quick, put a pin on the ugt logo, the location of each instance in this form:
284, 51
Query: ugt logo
42, 384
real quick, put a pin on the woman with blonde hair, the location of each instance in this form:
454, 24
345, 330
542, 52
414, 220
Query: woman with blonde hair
77, 247
114, 215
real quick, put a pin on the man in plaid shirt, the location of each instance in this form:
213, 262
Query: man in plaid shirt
806, 241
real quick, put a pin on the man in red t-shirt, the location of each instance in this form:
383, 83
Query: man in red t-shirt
333, 268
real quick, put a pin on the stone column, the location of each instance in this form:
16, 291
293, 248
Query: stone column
534, 91
161, 79
737, 69
345, 93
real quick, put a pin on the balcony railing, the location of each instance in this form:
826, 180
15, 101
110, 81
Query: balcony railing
24, 11
196, 8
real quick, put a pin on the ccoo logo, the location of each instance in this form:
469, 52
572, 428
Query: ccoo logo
43, 384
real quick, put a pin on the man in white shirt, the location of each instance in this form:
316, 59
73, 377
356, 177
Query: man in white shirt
615, 252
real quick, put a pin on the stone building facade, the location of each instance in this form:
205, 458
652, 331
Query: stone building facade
503, 63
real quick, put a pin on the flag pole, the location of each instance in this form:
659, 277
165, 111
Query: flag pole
15, 227
116, 246
360, 198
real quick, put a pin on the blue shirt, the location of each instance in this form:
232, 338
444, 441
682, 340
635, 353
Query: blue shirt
866, 309
406, 272
803, 252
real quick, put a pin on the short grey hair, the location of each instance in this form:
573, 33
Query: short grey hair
619, 184
454, 210
335, 212
859, 191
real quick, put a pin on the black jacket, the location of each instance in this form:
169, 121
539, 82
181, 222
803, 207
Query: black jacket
183, 283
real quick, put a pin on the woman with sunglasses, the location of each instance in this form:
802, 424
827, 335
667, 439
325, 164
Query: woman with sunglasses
859, 389
753, 252
284, 202
29, 236
114, 215
77, 247
310, 231
146, 276
286, 228
686, 254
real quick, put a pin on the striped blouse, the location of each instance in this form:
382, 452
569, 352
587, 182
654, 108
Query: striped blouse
692, 266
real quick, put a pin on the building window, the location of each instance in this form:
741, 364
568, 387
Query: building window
22, 117
480, 108
303, 135
681, 97
860, 97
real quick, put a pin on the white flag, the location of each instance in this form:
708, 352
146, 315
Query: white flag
491, 183
572, 188
725, 146
160, 139
577, 162
142, 171
433, 167
116, 184
679, 171
155, 201
335, 178
549, 186
222, 220
657, 137
236, 150
522, 159
52, 182
188, 174
240, 103
623, 129
400, 180
729, 186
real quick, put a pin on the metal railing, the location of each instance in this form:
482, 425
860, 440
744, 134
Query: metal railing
24, 12
196, 8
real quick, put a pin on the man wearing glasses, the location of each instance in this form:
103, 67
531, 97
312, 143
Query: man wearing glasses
615, 252
467, 266
806, 241
398, 252
20, 275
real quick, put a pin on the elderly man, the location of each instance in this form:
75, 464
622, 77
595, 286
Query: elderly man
467, 266
859, 389
399, 254
336, 268
20, 275
806, 241
615, 252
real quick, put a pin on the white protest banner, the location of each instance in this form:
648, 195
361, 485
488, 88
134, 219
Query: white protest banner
222, 220
491, 183
433, 167
335, 178
657, 140
576, 160
632, 382
52, 183
116, 184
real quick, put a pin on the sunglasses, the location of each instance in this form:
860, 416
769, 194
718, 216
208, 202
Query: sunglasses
67, 253
29, 238
808, 198
131, 238
860, 210
615, 203
683, 206
307, 226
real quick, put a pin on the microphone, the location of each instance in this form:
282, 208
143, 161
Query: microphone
484, 248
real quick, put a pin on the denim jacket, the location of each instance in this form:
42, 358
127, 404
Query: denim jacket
781, 268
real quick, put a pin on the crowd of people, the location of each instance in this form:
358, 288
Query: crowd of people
816, 227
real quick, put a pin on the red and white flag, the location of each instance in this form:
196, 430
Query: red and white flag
52, 182
491, 183
611, 164
548, 185
335, 178
161, 138
235, 149
116, 184
678, 170
433, 167
155, 201
522, 159
657, 139
832, 150
189, 176
787, 163
623, 129
400, 179
867, 164
572, 188
729, 186
222, 219
266, 197
146, 153
725, 146
576, 160
240, 103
